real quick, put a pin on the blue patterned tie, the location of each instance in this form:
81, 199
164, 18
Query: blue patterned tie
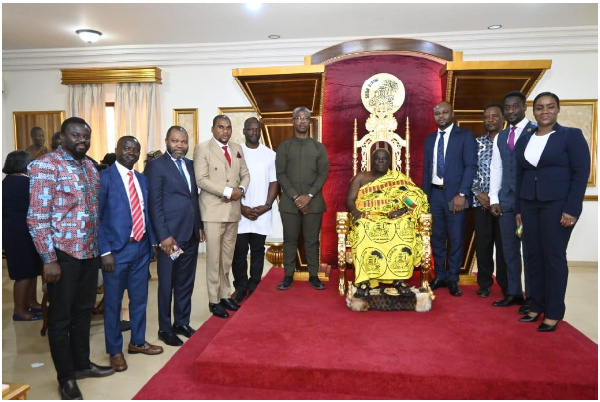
440, 156
178, 162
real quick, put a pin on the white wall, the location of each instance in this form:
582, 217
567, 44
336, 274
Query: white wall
199, 76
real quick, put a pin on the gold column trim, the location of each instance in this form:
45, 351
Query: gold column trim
74, 76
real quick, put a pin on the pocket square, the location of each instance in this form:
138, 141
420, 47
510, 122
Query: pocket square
238, 155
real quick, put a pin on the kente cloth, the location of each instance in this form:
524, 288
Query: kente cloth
385, 249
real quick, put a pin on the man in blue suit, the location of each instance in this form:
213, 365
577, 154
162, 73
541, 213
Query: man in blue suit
127, 245
503, 187
176, 218
449, 165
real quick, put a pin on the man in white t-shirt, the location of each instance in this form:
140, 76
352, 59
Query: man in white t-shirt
256, 220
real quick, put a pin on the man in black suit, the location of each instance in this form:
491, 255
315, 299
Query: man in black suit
173, 206
449, 165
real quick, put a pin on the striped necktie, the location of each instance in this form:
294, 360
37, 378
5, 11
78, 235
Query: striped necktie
136, 210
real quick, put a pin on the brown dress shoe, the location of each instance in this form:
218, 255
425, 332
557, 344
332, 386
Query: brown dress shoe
147, 349
118, 362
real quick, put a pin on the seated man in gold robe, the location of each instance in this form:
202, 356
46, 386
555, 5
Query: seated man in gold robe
386, 245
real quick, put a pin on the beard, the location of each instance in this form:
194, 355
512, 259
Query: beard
174, 153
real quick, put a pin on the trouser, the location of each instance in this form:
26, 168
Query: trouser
220, 244
512, 252
133, 276
176, 281
72, 300
487, 234
239, 266
546, 243
310, 224
446, 226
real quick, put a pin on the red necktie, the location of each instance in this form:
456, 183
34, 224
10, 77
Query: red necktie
227, 155
136, 210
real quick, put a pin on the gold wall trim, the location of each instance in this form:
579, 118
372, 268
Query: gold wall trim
279, 70
225, 110
75, 76
590, 198
497, 65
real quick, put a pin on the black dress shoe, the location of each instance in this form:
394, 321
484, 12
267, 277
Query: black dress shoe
454, 289
528, 318
94, 371
438, 283
69, 390
483, 292
547, 328
525, 307
218, 310
229, 304
316, 283
509, 300
286, 283
169, 338
240, 295
184, 330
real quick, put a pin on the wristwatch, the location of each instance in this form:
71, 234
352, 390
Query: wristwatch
461, 194
270, 206
310, 195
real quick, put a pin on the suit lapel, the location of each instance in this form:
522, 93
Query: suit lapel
452, 148
121, 186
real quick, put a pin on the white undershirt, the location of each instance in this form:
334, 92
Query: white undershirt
536, 147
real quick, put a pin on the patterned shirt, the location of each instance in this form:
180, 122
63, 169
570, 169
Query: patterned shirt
63, 210
481, 181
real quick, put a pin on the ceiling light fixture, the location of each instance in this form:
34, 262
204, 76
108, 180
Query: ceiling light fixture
274, 36
495, 26
254, 6
88, 35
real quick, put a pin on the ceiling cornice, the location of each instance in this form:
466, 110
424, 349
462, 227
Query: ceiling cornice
473, 44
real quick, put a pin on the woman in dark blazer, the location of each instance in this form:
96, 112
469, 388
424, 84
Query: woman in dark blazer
23, 261
553, 166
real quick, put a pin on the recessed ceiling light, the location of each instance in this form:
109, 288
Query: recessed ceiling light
88, 35
496, 26
274, 36
254, 6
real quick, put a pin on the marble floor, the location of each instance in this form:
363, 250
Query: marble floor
26, 356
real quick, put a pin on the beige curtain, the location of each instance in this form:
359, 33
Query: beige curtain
137, 113
87, 101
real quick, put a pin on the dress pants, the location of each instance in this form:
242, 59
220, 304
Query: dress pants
240, 263
176, 281
487, 234
546, 243
220, 245
131, 274
512, 251
310, 224
72, 300
450, 226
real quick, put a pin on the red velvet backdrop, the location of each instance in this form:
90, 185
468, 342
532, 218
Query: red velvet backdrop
342, 104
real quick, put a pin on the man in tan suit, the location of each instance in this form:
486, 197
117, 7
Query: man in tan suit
222, 175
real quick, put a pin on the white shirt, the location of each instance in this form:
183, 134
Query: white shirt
535, 147
496, 163
261, 165
184, 168
434, 177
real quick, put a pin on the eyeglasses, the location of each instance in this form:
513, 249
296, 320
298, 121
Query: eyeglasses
304, 118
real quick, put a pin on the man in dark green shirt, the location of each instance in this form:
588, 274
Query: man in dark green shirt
302, 166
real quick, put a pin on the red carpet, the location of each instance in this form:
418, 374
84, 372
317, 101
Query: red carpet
306, 344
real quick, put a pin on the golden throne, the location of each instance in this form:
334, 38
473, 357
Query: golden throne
381, 127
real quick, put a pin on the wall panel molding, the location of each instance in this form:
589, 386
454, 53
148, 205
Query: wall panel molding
473, 44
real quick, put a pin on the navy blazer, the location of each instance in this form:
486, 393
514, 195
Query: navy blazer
116, 223
460, 163
562, 172
173, 208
